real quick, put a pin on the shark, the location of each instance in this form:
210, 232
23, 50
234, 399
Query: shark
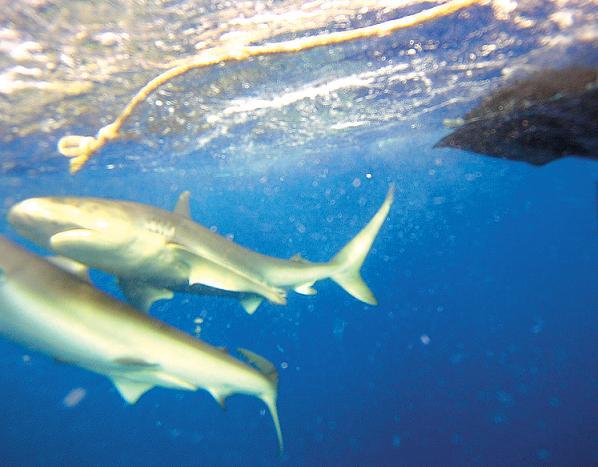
55, 312
154, 252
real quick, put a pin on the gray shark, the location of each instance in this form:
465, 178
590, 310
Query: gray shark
50, 310
154, 252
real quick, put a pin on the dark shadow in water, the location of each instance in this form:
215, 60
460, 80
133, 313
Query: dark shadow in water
549, 115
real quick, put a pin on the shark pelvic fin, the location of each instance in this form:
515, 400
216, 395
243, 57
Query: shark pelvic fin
352, 256
219, 396
306, 289
131, 390
70, 265
250, 303
142, 295
182, 205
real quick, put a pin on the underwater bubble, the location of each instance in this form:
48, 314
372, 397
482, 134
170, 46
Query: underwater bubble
425, 339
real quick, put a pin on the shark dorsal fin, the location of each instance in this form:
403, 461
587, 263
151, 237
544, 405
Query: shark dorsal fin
298, 258
182, 205
265, 367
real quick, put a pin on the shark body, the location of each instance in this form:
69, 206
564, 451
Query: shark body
154, 252
50, 310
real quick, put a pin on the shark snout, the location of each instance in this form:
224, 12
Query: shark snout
39, 218
32, 209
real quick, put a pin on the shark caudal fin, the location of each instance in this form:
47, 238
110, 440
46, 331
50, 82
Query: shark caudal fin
269, 371
352, 256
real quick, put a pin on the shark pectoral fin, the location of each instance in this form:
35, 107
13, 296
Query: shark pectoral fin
131, 390
142, 295
306, 289
205, 272
250, 303
219, 395
182, 205
70, 265
82, 242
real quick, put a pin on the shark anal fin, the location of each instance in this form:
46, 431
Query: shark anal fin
70, 265
131, 390
251, 302
182, 205
142, 295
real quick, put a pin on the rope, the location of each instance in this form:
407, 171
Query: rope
81, 148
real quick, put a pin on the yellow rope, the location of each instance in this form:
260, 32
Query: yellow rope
81, 148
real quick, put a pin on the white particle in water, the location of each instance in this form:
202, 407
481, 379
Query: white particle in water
74, 397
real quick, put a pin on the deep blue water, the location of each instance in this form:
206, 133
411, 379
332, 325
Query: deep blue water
494, 261
482, 350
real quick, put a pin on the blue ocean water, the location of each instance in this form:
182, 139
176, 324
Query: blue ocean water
480, 352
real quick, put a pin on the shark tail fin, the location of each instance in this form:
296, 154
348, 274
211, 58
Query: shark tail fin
269, 398
352, 256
